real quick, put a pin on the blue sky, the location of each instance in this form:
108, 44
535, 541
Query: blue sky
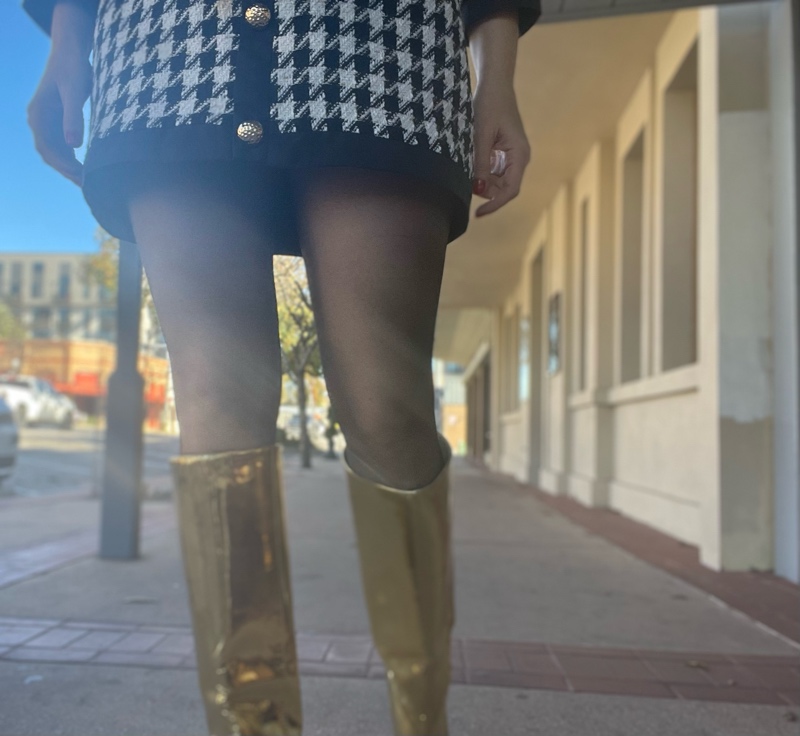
40, 211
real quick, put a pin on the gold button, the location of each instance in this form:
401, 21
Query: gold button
251, 131
257, 15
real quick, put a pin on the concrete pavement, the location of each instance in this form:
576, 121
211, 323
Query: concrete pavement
526, 577
70, 700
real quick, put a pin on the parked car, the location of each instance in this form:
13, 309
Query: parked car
9, 438
35, 401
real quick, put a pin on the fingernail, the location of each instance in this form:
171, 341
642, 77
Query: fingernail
479, 186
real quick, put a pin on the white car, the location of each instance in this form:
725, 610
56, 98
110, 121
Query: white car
35, 401
9, 437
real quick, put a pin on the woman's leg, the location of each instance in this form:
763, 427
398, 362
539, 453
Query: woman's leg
205, 245
374, 252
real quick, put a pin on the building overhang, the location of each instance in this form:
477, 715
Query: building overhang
573, 80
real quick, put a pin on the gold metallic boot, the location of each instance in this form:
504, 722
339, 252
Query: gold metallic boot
406, 567
231, 521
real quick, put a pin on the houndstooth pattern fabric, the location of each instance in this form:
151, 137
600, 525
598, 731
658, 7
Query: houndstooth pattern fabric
162, 62
394, 69
389, 68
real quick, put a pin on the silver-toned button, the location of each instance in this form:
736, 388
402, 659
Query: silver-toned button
250, 131
257, 15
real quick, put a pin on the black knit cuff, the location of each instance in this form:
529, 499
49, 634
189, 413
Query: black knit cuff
41, 11
475, 11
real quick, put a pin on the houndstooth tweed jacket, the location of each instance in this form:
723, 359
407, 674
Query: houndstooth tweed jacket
379, 83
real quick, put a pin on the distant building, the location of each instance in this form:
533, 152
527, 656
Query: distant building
51, 298
451, 403
70, 333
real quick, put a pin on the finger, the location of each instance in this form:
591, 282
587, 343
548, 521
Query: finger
61, 158
503, 198
507, 186
45, 124
482, 163
504, 194
72, 170
73, 117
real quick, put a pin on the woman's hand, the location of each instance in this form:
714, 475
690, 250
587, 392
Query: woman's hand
498, 125
497, 122
55, 112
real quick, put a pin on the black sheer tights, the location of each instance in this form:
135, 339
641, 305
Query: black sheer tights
374, 247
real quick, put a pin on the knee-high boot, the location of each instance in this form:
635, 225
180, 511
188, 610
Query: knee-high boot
406, 567
231, 522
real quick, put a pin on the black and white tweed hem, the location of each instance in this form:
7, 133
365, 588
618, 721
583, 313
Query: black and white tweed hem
394, 69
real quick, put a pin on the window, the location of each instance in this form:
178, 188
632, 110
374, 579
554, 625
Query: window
523, 359
510, 352
631, 277
41, 322
16, 280
37, 280
554, 334
64, 323
679, 241
64, 280
87, 322
583, 296
507, 363
108, 324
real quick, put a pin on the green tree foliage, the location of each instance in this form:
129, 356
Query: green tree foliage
299, 344
10, 327
102, 268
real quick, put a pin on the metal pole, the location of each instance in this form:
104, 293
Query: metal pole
122, 471
796, 70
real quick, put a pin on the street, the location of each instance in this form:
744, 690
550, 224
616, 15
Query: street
56, 461
53, 461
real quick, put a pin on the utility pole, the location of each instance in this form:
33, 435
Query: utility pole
122, 471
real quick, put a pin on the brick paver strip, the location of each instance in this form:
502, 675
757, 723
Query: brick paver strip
182, 644
349, 650
97, 640
773, 601
312, 649
56, 638
19, 634
137, 642
709, 676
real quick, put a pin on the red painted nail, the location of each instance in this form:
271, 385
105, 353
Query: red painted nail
479, 186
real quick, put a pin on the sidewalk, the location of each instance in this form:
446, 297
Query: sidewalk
559, 631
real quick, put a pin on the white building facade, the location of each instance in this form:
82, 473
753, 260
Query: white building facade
629, 324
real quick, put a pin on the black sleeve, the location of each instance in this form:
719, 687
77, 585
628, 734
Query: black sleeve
475, 11
41, 11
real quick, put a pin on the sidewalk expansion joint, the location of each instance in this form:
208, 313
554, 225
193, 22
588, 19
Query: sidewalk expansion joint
706, 676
